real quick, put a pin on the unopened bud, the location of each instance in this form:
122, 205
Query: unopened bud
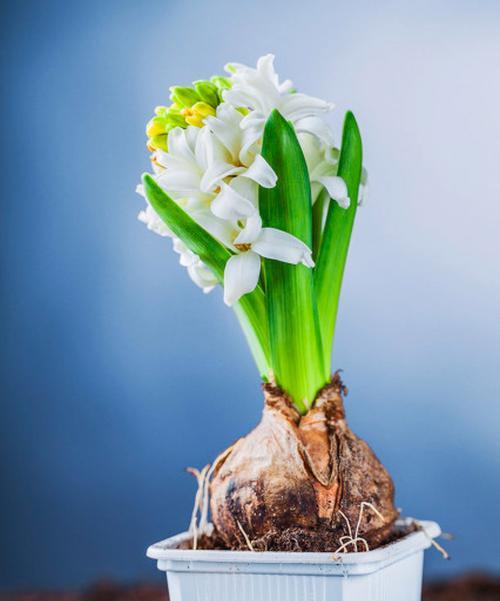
207, 91
183, 96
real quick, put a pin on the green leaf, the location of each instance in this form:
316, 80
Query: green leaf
337, 235
296, 355
250, 309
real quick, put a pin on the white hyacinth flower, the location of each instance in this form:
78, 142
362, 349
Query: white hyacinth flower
259, 91
151, 219
237, 200
214, 171
322, 164
242, 270
363, 188
201, 275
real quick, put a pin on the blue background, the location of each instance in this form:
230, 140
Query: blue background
117, 372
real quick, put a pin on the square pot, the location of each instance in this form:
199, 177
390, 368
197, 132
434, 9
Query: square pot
389, 573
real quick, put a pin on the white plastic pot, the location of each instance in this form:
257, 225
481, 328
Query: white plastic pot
390, 573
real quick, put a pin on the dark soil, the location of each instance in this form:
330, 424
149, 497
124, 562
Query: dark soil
295, 540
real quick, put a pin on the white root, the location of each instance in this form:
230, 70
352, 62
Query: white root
200, 478
434, 543
354, 542
360, 517
350, 540
349, 529
245, 536
206, 499
202, 497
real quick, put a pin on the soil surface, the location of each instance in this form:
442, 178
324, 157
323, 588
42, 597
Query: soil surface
294, 540
470, 587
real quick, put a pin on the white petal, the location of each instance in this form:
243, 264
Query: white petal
261, 172
220, 229
297, 106
202, 276
194, 201
265, 68
316, 189
241, 275
337, 189
317, 127
226, 127
160, 156
209, 149
238, 98
178, 143
285, 86
191, 133
253, 119
364, 177
186, 256
249, 148
153, 222
179, 180
230, 204
171, 161
216, 173
282, 246
251, 231
363, 188
247, 188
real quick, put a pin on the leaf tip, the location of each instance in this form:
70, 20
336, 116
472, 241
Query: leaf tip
147, 179
351, 123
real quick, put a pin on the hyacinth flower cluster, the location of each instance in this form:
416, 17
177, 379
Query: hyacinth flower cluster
253, 192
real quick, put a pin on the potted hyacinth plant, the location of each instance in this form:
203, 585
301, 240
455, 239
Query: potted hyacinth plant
256, 197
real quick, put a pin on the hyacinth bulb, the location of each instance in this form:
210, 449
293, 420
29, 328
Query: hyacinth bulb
300, 482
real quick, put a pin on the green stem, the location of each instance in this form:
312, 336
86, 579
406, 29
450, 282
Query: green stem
318, 216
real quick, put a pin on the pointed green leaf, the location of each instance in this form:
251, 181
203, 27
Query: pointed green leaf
296, 355
250, 309
337, 235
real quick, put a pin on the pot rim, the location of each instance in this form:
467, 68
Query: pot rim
173, 559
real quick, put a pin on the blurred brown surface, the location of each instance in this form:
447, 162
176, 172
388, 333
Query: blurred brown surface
470, 587
103, 591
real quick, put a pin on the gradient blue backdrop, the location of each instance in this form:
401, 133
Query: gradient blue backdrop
117, 372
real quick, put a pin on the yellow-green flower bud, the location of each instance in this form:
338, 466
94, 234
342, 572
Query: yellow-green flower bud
221, 83
196, 114
160, 111
158, 143
174, 119
207, 91
156, 127
183, 96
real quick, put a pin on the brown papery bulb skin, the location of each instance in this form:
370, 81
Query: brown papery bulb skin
299, 474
